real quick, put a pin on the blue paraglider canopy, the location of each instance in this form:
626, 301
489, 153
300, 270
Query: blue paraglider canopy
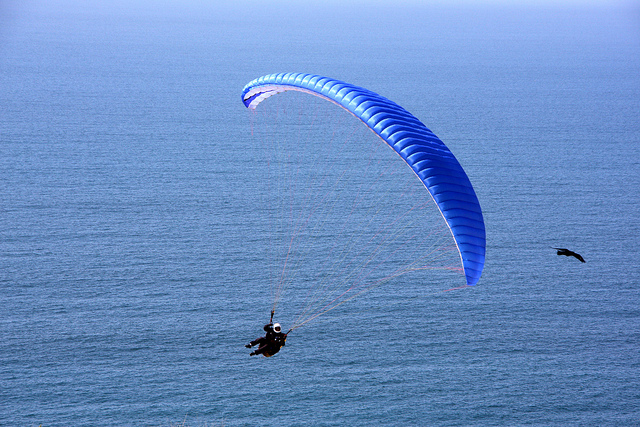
427, 155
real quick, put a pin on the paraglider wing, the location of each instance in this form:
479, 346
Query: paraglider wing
429, 158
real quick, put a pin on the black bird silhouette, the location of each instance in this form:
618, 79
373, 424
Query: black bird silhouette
567, 252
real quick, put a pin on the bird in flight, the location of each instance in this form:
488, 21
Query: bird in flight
567, 252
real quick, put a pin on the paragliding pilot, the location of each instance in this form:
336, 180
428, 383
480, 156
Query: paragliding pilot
272, 342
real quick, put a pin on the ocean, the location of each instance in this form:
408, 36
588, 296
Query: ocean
131, 265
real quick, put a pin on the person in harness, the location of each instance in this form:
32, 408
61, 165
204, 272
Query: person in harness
271, 343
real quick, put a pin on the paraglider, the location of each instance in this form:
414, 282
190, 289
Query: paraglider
429, 158
422, 151
273, 340
271, 343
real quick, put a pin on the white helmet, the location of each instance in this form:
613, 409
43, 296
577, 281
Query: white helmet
276, 327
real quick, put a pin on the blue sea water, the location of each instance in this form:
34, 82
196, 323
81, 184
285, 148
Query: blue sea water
127, 264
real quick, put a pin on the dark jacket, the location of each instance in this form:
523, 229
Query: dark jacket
271, 343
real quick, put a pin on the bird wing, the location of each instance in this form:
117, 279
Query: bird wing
567, 252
